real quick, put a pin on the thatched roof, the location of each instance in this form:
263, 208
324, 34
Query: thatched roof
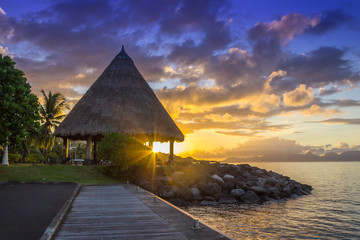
120, 100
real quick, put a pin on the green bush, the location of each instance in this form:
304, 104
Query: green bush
34, 158
14, 158
52, 155
124, 151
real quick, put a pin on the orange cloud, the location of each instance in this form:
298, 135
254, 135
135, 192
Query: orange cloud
301, 96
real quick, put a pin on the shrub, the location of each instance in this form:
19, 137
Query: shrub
123, 151
52, 155
14, 158
34, 158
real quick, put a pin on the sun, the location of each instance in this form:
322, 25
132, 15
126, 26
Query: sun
161, 147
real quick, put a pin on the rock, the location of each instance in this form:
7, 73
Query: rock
166, 194
196, 194
305, 192
261, 181
271, 181
227, 199
227, 186
257, 189
286, 191
240, 185
250, 197
274, 190
208, 198
210, 189
228, 177
207, 203
237, 193
217, 178
219, 195
185, 194
274, 196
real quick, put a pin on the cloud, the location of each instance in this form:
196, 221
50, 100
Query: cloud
330, 19
342, 145
5, 51
283, 30
254, 147
2, 12
351, 121
318, 68
316, 110
299, 97
329, 90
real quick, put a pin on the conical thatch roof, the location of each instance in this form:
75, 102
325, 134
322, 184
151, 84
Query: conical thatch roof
120, 100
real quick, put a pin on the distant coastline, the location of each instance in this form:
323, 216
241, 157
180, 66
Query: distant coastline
349, 156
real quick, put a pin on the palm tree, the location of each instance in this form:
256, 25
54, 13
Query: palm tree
51, 113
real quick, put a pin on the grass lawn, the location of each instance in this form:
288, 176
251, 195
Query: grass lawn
54, 173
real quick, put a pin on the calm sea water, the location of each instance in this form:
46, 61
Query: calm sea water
332, 211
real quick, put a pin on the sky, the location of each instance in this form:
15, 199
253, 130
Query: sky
239, 78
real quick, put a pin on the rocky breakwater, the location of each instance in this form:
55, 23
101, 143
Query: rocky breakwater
210, 184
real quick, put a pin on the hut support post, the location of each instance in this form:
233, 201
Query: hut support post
88, 147
171, 156
95, 151
66, 147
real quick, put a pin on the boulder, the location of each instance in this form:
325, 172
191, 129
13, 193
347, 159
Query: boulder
185, 194
250, 197
271, 181
227, 177
208, 198
227, 199
219, 195
196, 194
227, 186
210, 189
166, 194
237, 193
207, 203
274, 190
217, 178
257, 189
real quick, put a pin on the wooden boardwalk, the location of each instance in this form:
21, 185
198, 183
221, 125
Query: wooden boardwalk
112, 212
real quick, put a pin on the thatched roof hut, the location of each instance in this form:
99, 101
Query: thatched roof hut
120, 100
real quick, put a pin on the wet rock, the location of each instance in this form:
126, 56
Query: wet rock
208, 203
208, 198
166, 194
237, 193
227, 199
250, 197
257, 189
210, 189
185, 194
274, 190
227, 186
217, 178
228, 177
196, 194
271, 181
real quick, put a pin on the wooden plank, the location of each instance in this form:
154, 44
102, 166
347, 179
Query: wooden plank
112, 212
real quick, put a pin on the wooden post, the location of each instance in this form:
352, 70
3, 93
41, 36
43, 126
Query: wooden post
171, 156
95, 151
66, 147
151, 144
88, 147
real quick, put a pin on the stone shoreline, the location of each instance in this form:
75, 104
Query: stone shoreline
223, 184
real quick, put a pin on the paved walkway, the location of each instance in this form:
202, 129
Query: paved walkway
27, 209
112, 212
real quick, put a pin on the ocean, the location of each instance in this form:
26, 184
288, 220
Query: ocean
332, 211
